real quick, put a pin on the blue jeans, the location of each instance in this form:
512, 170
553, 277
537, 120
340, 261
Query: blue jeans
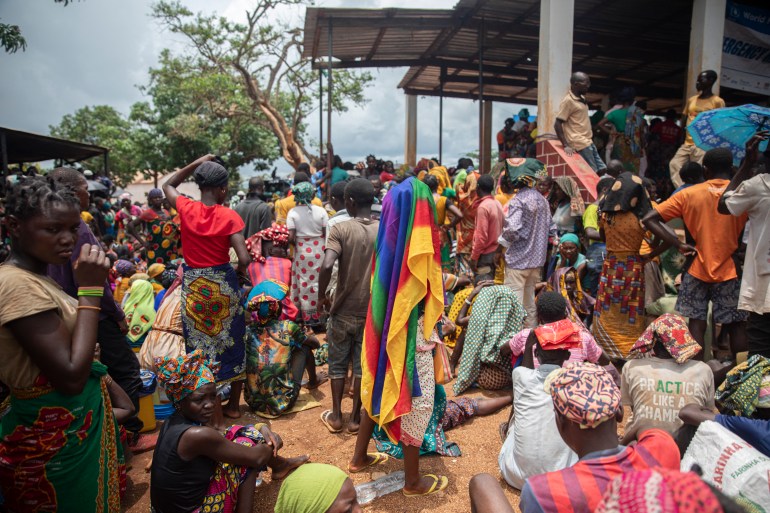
591, 155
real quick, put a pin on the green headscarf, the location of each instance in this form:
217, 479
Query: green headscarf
303, 193
524, 172
312, 488
140, 310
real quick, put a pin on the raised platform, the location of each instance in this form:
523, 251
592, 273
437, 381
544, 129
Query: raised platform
552, 154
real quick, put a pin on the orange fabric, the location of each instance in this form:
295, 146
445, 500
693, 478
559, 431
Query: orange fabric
716, 236
563, 334
626, 233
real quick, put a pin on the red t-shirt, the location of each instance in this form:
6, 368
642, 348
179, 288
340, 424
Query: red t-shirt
668, 132
206, 232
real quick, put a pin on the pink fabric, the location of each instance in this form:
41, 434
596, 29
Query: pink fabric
588, 352
489, 226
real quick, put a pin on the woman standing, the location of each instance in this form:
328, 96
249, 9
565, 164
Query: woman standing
444, 206
567, 205
307, 232
161, 233
619, 315
59, 433
212, 315
626, 125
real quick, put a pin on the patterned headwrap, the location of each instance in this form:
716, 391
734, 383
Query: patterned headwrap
303, 193
570, 187
154, 193
264, 301
155, 270
277, 233
184, 375
671, 331
524, 172
627, 194
745, 385
658, 490
584, 393
563, 334
124, 267
311, 488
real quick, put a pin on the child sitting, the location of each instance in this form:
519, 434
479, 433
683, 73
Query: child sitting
194, 464
276, 352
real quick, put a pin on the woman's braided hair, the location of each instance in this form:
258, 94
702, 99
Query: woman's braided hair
29, 196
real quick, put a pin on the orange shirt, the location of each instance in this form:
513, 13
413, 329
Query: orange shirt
716, 235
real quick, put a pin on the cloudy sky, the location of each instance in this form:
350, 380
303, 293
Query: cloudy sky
95, 52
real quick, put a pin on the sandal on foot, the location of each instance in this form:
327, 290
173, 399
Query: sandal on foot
378, 458
325, 420
439, 484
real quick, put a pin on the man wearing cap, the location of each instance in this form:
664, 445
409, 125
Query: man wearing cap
254, 212
573, 126
587, 405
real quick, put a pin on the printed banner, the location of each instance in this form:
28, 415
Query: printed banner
746, 48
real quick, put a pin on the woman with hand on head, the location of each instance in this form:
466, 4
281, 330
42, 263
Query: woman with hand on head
61, 417
212, 315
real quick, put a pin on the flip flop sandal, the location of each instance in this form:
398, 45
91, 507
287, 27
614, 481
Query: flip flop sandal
325, 420
378, 459
439, 484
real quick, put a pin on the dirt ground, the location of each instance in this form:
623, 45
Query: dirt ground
303, 433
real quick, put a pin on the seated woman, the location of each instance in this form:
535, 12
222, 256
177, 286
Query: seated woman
194, 464
664, 354
568, 255
269, 250
154, 272
580, 305
316, 487
497, 316
124, 269
276, 352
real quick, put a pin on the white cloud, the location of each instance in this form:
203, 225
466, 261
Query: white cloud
98, 51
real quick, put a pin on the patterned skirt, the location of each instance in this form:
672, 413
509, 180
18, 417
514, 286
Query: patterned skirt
619, 317
213, 318
304, 279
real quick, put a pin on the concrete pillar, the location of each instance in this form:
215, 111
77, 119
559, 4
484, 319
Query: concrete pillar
485, 137
555, 59
410, 147
706, 38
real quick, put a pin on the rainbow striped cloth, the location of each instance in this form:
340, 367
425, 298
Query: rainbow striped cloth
406, 272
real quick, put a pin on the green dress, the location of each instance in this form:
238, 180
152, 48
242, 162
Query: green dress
269, 385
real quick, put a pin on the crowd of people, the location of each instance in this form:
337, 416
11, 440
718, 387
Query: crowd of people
400, 281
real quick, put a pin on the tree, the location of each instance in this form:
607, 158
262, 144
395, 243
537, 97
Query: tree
263, 60
11, 39
197, 110
102, 125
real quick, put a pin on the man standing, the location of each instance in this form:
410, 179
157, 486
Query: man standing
254, 212
506, 140
489, 225
351, 243
526, 228
573, 126
751, 196
701, 102
116, 354
710, 274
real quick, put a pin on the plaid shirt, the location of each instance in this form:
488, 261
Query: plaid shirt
526, 228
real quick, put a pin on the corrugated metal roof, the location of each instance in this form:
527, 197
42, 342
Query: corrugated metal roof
643, 43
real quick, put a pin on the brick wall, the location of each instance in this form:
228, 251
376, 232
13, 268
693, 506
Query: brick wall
559, 164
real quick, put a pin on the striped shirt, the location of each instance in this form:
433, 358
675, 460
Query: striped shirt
580, 488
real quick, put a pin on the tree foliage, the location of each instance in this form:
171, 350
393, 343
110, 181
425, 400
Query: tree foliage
102, 125
263, 60
11, 39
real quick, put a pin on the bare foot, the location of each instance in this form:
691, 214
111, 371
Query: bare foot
231, 413
321, 378
282, 466
422, 486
